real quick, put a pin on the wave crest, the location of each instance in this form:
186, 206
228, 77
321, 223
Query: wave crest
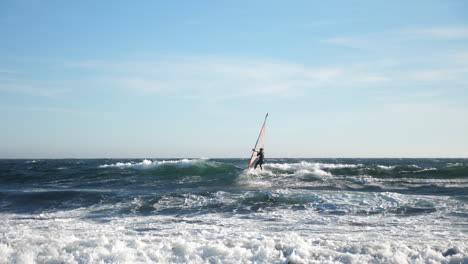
150, 164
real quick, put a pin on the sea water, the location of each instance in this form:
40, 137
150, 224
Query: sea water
217, 211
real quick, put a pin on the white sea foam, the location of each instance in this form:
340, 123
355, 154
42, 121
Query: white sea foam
256, 178
190, 201
310, 165
427, 169
278, 236
148, 163
457, 164
383, 167
290, 174
315, 168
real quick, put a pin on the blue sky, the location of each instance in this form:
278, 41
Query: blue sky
161, 79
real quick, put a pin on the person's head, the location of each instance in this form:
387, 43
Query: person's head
261, 149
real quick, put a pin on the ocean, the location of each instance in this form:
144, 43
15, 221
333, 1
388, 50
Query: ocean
217, 211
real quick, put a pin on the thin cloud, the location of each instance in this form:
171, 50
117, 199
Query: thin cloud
141, 84
213, 76
342, 41
398, 38
460, 58
3, 70
43, 109
448, 33
438, 75
374, 79
32, 90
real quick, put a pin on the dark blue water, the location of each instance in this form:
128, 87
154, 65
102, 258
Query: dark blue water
44, 185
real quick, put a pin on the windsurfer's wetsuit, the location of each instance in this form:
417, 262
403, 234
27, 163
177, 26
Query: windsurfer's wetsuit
260, 157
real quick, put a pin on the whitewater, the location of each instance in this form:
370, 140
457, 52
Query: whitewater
218, 211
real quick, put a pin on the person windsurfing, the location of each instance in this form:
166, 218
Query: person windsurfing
260, 157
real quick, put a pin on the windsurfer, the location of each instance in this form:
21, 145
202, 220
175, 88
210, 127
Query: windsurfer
260, 157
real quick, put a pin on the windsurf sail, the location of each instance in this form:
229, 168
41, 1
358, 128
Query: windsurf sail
260, 142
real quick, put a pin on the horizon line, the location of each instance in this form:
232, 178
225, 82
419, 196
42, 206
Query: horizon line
247, 158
